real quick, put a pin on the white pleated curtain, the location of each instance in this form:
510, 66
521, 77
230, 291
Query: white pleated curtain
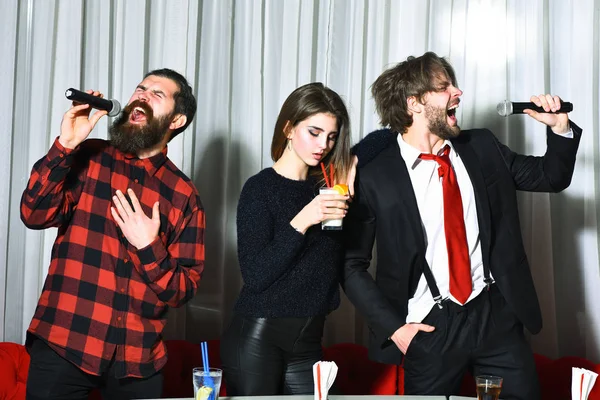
243, 58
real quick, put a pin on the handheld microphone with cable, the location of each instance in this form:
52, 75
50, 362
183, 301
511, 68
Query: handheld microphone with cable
112, 106
507, 108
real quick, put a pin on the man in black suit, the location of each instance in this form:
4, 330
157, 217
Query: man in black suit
448, 296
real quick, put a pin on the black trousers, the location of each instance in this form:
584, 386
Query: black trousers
271, 356
52, 377
484, 337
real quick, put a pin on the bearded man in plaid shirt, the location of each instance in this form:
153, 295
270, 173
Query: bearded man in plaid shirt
130, 245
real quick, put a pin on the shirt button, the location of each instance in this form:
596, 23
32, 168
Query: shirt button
135, 180
122, 290
126, 260
118, 318
61, 155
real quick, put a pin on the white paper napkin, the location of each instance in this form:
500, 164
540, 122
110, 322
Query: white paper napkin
324, 373
582, 383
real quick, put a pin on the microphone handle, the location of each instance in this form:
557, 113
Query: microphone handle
517, 108
84, 98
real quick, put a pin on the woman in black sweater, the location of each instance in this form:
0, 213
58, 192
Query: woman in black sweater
290, 267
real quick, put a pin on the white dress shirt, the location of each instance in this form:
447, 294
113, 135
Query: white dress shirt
427, 186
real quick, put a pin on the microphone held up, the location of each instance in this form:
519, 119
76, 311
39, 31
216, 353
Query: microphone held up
112, 106
507, 108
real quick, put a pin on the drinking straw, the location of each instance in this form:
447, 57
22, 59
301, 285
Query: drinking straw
331, 173
207, 378
328, 182
204, 348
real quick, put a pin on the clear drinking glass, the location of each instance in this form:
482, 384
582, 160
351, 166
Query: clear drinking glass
488, 387
331, 224
207, 384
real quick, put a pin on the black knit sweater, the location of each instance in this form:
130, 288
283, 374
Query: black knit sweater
285, 273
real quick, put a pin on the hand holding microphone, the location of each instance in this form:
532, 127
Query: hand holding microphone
113, 107
507, 108
549, 110
77, 124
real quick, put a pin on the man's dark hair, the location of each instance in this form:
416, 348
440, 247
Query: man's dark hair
185, 102
414, 77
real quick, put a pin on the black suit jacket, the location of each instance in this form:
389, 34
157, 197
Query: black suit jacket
385, 211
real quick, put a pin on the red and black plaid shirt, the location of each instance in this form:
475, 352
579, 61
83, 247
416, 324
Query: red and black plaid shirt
103, 299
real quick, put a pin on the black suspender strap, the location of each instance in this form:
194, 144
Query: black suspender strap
435, 291
486, 276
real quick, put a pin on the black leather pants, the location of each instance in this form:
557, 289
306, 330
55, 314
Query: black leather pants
271, 356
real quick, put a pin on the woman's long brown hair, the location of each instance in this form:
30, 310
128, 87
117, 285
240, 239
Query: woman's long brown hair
304, 102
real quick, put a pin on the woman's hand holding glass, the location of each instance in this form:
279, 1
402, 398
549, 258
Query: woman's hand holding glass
321, 208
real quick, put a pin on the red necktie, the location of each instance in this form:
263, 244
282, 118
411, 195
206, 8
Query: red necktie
454, 228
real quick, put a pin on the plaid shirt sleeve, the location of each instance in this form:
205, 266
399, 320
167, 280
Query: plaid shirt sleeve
173, 271
52, 191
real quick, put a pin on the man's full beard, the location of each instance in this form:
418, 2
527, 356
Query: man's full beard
132, 139
438, 124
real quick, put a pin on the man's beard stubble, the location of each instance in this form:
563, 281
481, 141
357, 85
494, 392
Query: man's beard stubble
438, 124
132, 139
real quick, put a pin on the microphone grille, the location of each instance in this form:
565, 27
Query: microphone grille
116, 108
504, 108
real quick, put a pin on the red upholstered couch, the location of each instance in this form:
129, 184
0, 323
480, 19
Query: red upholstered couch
14, 363
357, 374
